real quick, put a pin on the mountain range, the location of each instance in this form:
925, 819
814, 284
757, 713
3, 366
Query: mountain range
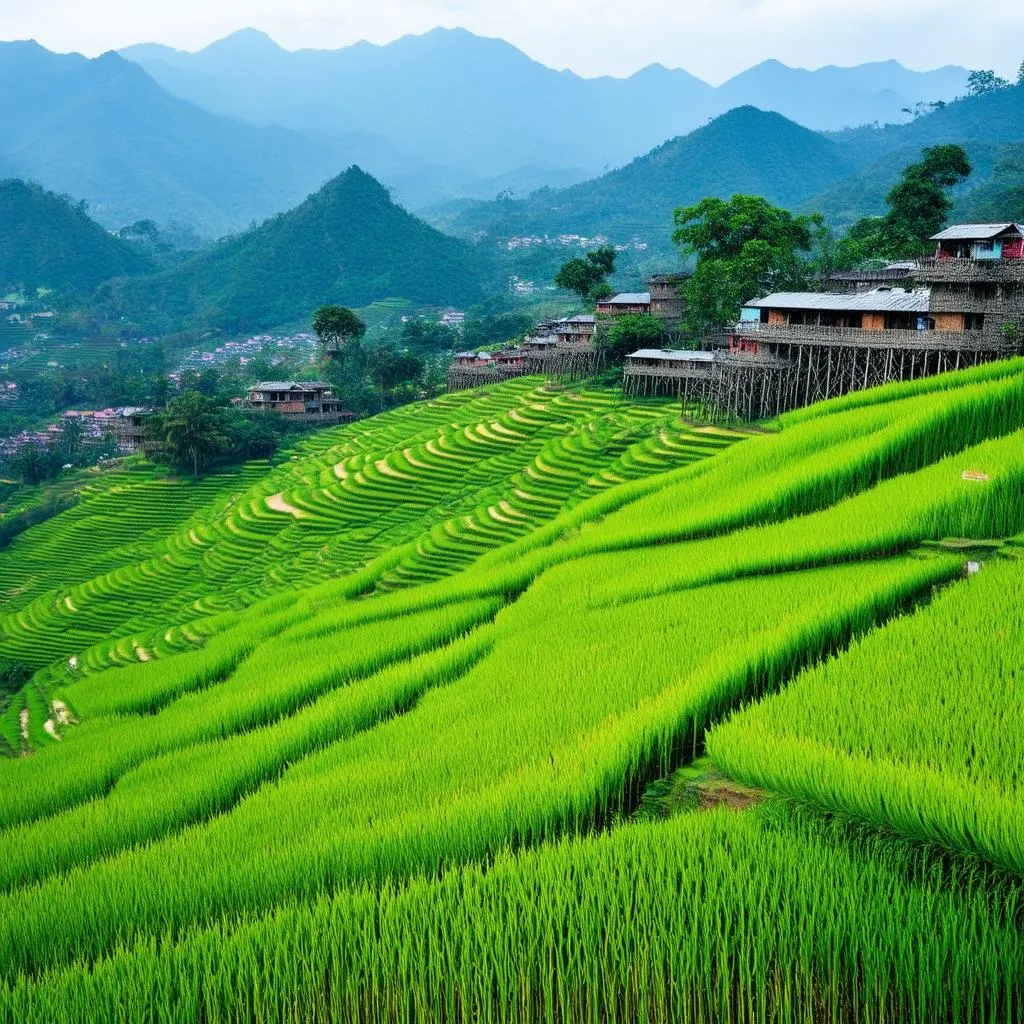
222, 138
845, 175
452, 97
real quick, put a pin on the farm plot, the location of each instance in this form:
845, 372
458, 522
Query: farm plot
398, 784
918, 728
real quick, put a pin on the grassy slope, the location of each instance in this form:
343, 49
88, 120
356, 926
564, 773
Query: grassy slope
473, 626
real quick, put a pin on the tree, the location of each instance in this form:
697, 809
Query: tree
337, 327
32, 464
585, 275
390, 369
744, 247
70, 440
919, 206
1020, 74
983, 83
627, 333
190, 431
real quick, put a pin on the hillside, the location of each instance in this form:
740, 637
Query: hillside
420, 714
483, 105
347, 243
46, 241
745, 150
983, 125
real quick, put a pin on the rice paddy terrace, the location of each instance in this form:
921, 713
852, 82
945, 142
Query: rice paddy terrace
401, 727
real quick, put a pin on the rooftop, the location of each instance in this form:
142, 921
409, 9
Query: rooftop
970, 232
580, 318
681, 357
628, 299
289, 385
878, 300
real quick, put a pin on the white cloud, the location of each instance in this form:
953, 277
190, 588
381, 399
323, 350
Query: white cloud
714, 38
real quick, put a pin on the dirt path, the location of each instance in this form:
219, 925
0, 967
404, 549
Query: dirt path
340, 471
23, 730
50, 728
141, 653
277, 503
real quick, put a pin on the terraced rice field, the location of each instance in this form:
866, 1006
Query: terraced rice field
363, 735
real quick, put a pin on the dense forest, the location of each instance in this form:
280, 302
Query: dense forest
47, 241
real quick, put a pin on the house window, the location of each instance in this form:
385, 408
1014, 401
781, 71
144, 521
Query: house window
974, 321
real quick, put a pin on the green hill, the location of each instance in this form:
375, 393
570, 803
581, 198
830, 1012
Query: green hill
411, 725
47, 241
988, 127
348, 243
745, 150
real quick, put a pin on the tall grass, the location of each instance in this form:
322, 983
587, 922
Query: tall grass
702, 919
919, 728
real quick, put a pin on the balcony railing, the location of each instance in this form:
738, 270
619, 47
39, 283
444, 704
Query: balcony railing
810, 334
958, 269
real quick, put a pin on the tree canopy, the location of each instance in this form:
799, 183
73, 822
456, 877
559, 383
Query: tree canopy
919, 206
587, 275
981, 83
627, 333
337, 327
745, 247
190, 431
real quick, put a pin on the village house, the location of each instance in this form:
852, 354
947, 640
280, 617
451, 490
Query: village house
980, 242
625, 303
575, 331
667, 302
303, 401
876, 310
473, 359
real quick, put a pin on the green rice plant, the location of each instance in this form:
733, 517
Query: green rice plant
769, 916
532, 741
918, 728
172, 790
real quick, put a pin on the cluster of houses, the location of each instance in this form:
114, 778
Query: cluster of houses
566, 346
124, 425
959, 307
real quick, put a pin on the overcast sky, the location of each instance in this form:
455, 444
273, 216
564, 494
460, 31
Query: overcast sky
711, 38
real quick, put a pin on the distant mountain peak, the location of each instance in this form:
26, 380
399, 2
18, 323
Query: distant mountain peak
244, 41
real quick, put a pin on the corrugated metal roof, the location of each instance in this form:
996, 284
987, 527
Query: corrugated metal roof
628, 299
682, 357
878, 300
968, 232
288, 385
581, 318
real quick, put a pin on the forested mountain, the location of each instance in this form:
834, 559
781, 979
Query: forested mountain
845, 175
348, 243
481, 104
104, 131
983, 125
46, 241
746, 150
